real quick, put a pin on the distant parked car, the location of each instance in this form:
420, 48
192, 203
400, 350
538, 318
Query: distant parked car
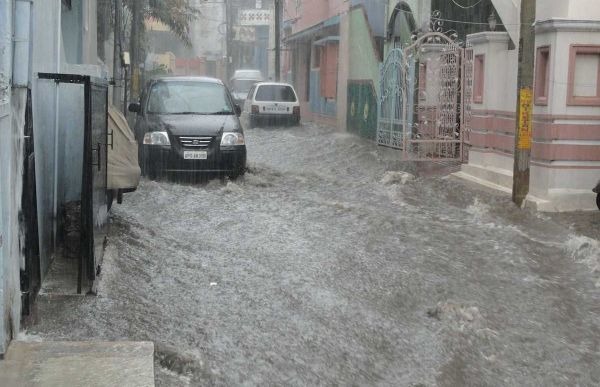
272, 103
241, 83
189, 124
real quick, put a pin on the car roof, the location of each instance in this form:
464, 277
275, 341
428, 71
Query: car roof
274, 84
189, 79
246, 72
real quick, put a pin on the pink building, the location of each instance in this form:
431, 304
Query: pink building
565, 152
312, 36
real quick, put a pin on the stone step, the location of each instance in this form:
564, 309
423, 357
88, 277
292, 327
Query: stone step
93, 364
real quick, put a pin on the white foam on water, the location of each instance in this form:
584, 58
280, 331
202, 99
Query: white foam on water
26, 337
478, 209
586, 251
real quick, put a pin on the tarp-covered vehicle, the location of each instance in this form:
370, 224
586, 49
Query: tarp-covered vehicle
123, 166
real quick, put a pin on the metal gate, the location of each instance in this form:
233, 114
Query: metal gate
93, 200
425, 101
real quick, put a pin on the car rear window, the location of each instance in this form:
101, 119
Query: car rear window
279, 93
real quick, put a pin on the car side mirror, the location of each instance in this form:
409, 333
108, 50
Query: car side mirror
135, 107
238, 110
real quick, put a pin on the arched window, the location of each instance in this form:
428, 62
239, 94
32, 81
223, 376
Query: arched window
401, 25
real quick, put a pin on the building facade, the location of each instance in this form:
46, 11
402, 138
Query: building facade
41, 138
565, 149
334, 53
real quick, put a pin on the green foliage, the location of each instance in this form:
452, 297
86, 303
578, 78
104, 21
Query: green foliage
178, 15
158, 70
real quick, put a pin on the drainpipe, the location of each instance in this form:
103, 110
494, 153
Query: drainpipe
56, 123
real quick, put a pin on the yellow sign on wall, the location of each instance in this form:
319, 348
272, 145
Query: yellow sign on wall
525, 119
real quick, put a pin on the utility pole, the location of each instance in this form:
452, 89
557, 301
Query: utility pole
229, 39
524, 121
136, 24
117, 52
278, 15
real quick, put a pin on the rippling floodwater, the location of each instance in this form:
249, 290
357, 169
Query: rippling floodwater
322, 267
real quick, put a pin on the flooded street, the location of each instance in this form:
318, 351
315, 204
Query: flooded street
326, 266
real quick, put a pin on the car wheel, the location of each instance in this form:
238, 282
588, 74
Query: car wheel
598, 201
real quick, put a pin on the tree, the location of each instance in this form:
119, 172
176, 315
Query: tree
178, 15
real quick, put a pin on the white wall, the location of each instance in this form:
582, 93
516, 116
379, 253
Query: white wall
500, 83
207, 41
584, 9
547, 9
12, 109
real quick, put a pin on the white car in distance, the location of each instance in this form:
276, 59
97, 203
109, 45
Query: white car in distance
272, 103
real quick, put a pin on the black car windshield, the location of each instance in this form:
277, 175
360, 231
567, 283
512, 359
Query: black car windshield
278, 93
189, 97
242, 85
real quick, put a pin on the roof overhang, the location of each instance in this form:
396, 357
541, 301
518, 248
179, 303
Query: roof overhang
326, 40
315, 29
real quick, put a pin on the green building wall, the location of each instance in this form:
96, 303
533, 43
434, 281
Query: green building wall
363, 80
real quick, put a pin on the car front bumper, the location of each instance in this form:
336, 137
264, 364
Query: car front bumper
167, 159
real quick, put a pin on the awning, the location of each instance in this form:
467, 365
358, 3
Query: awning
328, 39
308, 32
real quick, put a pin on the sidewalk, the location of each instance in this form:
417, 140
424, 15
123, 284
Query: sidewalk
89, 364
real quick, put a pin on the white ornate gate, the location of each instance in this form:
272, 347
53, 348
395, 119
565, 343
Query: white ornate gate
425, 100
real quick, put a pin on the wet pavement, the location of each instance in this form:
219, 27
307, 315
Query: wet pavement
325, 266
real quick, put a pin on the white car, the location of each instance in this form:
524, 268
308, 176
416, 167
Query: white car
272, 103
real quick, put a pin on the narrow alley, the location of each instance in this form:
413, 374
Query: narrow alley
327, 265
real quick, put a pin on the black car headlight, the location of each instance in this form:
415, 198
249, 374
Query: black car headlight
232, 139
156, 138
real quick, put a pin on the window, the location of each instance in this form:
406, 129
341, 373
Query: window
278, 93
478, 78
316, 57
584, 76
542, 64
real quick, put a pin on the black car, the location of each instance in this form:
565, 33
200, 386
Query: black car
187, 125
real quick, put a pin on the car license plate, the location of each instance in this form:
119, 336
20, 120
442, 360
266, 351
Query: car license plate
195, 155
276, 109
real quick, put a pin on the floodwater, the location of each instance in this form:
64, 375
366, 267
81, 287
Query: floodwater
326, 266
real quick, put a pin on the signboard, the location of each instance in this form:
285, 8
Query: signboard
525, 119
255, 17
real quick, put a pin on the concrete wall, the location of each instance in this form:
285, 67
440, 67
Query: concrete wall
308, 13
376, 14
421, 10
58, 110
12, 114
364, 74
207, 41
